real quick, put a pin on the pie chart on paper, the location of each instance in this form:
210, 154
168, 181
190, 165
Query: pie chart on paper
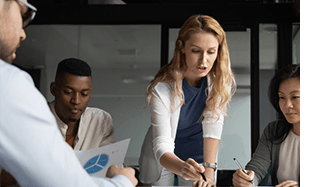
96, 164
96, 161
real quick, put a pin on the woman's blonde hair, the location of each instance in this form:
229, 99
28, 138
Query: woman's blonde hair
221, 76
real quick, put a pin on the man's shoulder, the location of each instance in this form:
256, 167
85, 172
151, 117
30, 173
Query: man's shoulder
7, 69
12, 75
96, 117
96, 112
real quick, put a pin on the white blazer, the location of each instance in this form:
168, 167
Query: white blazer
161, 134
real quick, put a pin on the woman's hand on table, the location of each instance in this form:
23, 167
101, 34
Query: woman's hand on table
190, 170
288, 183
202, 183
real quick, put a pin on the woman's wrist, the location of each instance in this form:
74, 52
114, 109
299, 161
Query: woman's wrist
171, 162
209, 173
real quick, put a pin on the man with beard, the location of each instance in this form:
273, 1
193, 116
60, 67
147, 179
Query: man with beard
82, 127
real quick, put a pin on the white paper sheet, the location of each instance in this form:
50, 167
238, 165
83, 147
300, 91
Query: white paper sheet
97, 161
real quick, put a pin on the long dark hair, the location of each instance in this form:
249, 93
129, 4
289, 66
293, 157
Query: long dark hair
291, 71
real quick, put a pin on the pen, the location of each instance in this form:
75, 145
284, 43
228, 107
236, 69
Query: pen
239, 165
203, 176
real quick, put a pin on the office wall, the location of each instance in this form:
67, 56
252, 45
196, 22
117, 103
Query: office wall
235, 141
126, 103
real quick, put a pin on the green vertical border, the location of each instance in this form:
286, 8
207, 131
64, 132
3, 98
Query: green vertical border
305, 80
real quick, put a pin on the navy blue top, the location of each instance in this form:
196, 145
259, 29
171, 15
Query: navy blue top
189, 136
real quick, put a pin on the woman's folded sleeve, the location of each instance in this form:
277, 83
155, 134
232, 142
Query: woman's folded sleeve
212, 127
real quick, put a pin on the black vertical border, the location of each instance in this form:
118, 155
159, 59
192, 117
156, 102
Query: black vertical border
255, 103
164, 44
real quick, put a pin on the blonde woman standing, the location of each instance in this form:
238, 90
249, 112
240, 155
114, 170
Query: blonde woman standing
188, 99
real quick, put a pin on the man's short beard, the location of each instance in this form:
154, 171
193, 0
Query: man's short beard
9, 59
73, 119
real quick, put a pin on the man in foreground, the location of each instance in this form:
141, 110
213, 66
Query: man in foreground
31, 146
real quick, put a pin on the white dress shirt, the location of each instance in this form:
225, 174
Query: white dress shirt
31, 146
95, 128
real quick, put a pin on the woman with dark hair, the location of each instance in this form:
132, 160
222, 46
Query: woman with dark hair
279, 145
188, 99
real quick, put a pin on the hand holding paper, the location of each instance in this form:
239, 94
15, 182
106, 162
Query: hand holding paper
128, 172
97, 161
